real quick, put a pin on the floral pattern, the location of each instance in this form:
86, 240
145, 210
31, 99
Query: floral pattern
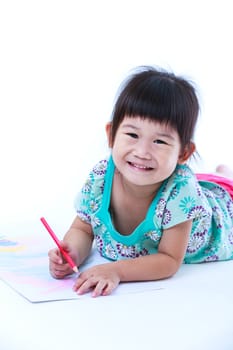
181, 198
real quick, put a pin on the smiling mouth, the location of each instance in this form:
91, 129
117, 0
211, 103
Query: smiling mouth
139, 166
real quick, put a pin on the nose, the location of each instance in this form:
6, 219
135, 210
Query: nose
142, 150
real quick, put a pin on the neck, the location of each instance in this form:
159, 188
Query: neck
147, 192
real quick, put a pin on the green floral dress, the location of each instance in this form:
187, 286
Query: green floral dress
180, 198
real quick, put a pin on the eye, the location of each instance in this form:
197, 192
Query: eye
131, 134
160, 142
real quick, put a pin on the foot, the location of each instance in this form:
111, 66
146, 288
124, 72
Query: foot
224, 170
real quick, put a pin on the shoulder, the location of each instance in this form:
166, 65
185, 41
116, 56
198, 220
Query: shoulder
182, 178
183, 172
180, 196
99, 170
96, 176
90, 195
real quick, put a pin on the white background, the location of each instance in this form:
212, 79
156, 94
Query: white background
61, 63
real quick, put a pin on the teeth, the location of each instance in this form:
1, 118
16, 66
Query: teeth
140, 166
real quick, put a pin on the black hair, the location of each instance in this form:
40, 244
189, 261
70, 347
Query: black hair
158, 95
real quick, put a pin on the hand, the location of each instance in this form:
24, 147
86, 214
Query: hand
102, 279
58, 266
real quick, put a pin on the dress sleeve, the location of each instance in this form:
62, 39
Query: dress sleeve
88, 200
183, 199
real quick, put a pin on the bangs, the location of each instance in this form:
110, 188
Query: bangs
156, 101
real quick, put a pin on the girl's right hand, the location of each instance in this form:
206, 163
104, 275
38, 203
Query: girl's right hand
58, 266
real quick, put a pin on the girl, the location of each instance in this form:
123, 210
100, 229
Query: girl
145, 208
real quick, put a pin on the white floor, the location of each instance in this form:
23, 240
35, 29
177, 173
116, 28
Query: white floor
193, 311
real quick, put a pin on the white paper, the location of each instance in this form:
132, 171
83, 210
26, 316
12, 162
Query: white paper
24, 267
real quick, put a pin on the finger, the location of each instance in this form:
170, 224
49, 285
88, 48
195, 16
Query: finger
59, 274
65, 246
79, 282
55, 256
84, 286
110, 287
100, 289
59, 270
82, 278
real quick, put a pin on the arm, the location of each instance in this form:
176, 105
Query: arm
105, 278
77, 242
80, 238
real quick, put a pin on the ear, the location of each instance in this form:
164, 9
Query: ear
108, 129
187, 152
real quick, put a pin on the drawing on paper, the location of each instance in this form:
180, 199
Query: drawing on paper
24, 267
7, 245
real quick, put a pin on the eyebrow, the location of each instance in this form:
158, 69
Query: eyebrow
158, 134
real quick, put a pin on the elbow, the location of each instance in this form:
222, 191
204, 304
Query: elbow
170, 266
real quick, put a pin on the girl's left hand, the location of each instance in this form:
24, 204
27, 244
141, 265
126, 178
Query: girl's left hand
102, 279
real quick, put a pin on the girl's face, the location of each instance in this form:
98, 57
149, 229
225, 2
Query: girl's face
146, 152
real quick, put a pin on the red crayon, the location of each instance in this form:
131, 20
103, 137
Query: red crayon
56, 240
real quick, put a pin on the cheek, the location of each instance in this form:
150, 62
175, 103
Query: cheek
169, 160
119, 144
